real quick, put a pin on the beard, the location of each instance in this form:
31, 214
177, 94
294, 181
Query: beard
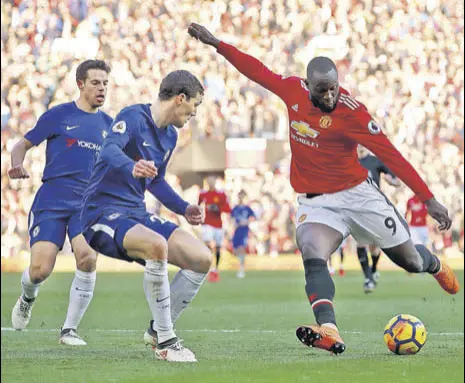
321, 106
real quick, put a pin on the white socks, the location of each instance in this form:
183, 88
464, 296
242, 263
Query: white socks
157, 292
80, 295
184, 287
30, 290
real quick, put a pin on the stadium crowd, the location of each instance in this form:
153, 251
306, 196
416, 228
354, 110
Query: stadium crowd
404, 60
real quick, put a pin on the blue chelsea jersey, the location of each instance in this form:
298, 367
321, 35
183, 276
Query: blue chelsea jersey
74, 138
132, 137
241, 214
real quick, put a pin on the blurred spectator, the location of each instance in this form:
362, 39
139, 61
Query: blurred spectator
404, 60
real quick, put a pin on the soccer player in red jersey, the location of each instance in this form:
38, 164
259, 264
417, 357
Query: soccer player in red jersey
416, 214
216, 203
337, 199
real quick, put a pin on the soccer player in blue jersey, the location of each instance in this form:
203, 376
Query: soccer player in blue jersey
74, 132
242, 215
116, 223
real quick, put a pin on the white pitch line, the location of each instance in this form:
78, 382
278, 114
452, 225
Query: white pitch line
221, 331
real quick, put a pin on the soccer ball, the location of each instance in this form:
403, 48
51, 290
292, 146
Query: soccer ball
405, 334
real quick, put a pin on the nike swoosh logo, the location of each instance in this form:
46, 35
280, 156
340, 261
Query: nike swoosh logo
145, 143
72, 127
163, 299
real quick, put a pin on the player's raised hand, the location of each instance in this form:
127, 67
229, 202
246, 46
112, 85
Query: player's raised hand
144, 169
439, 213
203, 34
194, 214
18, 172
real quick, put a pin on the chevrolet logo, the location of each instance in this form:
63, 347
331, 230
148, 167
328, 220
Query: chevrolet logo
303, 129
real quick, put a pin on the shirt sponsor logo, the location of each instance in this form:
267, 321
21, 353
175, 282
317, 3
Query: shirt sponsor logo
325, 122
303, 129
83, 144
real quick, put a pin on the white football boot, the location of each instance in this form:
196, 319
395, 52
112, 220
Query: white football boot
175, 352
150, 336
21, 314
70, 337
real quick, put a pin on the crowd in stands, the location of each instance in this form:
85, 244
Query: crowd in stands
402, 59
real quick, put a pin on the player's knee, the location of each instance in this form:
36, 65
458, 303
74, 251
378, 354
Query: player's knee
156, 249
87, 261
40, 272
414, 265
309, 250
205, 260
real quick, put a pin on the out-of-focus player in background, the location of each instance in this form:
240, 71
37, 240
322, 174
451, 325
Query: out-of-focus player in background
242, 215
74, 132
115, 218
338, 198
375, 168
216, 203
416, 214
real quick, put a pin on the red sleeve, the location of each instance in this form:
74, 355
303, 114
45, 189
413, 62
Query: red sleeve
226, 208
254, 70
365, 131
201, 197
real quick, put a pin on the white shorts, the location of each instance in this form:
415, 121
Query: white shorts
420, 235
210, 233
362, 211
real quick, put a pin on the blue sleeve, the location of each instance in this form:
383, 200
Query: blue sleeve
44, 128
251, 213
162, 191
117, 139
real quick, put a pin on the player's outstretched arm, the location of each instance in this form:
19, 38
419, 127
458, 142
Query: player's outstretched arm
18, 154
247, 65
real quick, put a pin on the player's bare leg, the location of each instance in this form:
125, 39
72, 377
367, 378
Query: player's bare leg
418, 259
81, 292
194, 260
43, 257
317, 242
375, 253
144, 243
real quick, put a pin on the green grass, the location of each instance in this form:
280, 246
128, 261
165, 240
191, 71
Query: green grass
264, 309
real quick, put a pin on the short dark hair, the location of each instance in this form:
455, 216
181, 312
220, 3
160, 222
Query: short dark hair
320, 64
180, 82
85, 66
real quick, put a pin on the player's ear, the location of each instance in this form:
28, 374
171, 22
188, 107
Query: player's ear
180, 98
80, 84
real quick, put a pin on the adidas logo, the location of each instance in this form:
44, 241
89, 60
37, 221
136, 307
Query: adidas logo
295, 107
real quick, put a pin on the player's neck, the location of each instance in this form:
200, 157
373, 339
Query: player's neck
85, 106
160, 114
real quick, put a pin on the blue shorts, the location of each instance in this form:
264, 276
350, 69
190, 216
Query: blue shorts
240, 238
106, 234
51, 226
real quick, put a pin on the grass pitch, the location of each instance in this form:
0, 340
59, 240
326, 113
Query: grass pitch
241, 331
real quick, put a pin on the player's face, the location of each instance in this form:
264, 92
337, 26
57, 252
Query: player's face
94, 87
186, 109
324, 90
211, 182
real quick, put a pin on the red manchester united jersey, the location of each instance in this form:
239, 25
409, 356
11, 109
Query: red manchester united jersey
418, 212
216, 203
324, 145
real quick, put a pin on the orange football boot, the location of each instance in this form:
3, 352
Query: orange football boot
324, 337
447, 279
